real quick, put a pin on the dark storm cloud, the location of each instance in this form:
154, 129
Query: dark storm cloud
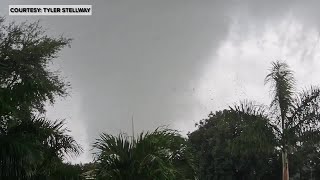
144, 58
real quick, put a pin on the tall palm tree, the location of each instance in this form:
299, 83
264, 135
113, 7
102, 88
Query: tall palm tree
294, 116
153, 155
32, 148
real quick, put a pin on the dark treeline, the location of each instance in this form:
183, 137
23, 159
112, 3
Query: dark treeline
248, 141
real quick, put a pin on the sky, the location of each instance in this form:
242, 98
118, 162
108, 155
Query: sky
169, 63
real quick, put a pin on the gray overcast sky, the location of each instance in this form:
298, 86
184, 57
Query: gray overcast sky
171, 62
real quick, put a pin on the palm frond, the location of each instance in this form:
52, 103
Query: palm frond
30, 146
253, 125
306, 107
304, 115
250, 108
150, 156
282, 84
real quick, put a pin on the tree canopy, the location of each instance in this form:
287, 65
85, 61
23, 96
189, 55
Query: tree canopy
230, 145
31, 145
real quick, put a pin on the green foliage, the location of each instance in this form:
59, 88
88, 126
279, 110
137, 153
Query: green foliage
162, 154
26, 83
282, 87
66, 171
32, 147
232, 145
35, 147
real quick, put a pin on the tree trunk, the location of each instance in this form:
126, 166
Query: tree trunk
285, 165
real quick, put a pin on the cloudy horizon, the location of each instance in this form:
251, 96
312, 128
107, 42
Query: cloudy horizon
172, 62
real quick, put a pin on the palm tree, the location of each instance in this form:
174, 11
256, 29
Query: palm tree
293, 116
30, 149
154, 155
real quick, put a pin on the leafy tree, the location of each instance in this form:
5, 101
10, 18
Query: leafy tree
153, 155
31, 146
26, 83
232, 145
